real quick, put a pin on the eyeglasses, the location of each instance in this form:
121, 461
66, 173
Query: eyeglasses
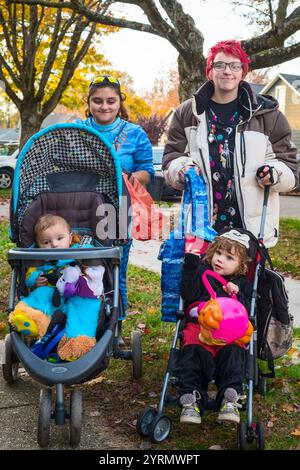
221, 66
105, 79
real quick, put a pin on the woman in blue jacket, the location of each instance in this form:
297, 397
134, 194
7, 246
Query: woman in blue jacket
107, 114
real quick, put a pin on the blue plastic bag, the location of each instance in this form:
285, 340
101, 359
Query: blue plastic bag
172, 250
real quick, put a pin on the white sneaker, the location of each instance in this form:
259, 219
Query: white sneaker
190, 411
229, 412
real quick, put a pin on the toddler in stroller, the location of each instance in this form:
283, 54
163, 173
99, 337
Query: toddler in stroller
69, 171
76, 293
205, 357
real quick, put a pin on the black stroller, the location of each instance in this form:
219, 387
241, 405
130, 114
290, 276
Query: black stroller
71, 171
157, 426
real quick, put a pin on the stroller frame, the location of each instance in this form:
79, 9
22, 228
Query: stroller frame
157, 426
66, 373
70, 140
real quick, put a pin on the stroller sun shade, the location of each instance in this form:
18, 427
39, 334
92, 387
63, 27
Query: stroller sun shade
63, 159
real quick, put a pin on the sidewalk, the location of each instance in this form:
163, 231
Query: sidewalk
144, 255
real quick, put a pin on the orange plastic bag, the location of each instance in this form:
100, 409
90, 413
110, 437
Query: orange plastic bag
147, 219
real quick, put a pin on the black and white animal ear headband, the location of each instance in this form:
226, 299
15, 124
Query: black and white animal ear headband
236, 236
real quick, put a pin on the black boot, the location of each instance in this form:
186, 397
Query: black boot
121, 342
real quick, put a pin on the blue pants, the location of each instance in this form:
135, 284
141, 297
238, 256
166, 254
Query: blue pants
122, 277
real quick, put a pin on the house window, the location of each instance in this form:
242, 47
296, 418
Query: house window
280, 92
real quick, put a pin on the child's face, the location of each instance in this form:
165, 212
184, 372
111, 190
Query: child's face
56, 236
225, 263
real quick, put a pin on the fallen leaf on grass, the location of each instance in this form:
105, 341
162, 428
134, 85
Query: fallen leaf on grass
215, 447
291, 351
296, 432
140, 402
132, 312
106, 423
151, 311
2, 326
93, 414
98, 380
288, 408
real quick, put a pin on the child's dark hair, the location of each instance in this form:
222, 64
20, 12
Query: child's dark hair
233, 247
123, 111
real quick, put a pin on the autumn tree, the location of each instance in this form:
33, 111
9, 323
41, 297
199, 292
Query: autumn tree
154, 126
40, 49
164, 95
275, 43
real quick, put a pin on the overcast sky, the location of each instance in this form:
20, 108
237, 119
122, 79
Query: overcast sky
146, 56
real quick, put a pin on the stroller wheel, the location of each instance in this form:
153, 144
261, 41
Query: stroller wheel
137, 352
144, 421
11, 366
260, 436
241, 436
44, 417
262, 386
160, 429
75, 417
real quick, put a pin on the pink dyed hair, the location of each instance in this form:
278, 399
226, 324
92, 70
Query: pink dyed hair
229, 47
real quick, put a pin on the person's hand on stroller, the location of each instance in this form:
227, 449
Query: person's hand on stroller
231, 288
265, 175
41, 281
183, 170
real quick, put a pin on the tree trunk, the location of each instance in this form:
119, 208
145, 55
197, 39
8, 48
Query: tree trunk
31, 121
191, 75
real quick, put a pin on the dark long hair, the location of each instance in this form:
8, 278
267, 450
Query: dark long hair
122, 112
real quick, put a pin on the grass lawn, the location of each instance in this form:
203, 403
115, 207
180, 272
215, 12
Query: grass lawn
280, 409
5, 194
286, 254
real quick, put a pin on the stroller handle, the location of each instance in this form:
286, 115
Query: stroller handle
58, 253
264, 214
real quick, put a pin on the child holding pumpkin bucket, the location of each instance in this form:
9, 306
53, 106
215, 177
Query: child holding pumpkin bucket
216, 350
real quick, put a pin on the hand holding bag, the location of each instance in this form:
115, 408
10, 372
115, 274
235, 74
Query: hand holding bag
147, 219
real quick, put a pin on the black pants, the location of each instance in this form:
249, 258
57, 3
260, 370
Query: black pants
198, 367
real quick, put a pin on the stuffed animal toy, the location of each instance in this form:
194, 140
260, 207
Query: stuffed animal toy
79, 300
81, 292
223, 320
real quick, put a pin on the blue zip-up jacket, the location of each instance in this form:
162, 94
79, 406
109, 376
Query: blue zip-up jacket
130, 142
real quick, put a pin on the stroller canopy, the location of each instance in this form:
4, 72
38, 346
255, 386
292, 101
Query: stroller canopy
64, 158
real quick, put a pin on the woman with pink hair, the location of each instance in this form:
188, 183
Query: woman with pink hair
237, 140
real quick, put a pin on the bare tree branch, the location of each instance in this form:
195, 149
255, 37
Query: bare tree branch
274, 56
57, 38
93, 16
179, 29
271, 13
281, 12
72, 63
